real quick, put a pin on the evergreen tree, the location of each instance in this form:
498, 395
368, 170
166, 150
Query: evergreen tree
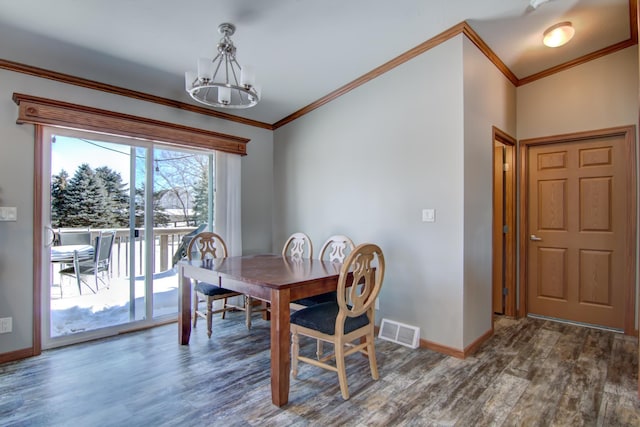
99, 199
117, 195
59, 203
201, 199
87, 201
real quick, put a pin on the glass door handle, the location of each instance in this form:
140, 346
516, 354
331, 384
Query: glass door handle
535, 238
49, 237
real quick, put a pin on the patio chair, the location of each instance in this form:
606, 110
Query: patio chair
74, 237
97, 268
181, 252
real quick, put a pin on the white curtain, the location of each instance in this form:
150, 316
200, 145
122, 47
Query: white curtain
228, 207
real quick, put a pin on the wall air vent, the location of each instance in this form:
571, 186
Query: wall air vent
399, 333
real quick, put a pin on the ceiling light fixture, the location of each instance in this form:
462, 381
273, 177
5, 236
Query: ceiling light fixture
558, 35
221, 81
537, 3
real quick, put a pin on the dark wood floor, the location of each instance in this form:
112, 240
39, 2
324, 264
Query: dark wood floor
532, 372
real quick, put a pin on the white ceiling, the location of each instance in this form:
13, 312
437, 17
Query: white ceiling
301, 49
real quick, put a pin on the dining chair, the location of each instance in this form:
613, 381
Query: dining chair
208, 245
96, 267
298, 245
349, 319
334, 249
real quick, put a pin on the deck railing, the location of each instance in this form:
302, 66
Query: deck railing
166, 243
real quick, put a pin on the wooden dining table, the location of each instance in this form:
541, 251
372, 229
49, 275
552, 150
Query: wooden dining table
274, 279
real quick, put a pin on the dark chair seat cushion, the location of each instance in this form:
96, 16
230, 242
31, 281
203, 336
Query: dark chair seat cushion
322, 317
211, 290
318, 299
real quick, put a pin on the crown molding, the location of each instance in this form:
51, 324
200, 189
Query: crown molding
461, 28
117, 90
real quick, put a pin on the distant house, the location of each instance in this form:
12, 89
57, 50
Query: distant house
178, 205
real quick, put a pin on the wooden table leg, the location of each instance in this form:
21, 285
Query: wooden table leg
184, 307
280, 355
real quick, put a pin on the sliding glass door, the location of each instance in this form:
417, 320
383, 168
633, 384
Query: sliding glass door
117, 212
181, 198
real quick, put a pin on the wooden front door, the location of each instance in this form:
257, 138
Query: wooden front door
581, 229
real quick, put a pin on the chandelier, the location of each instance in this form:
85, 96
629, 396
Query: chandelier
221, 81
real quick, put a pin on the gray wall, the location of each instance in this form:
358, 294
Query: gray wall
596, 95
489, 100
366, 165
16, 186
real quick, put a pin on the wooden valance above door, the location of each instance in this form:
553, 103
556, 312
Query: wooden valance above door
42, 111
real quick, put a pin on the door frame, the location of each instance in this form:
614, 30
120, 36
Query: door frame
629, 134
41, 111
508, 244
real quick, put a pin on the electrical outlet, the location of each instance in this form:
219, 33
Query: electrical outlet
6, 325
377, 303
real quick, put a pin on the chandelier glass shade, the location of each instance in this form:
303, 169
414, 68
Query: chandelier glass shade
221, 81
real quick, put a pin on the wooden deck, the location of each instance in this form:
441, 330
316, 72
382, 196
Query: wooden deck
532, 372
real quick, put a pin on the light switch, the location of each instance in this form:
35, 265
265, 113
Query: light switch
6, 325
428, 215
8, 213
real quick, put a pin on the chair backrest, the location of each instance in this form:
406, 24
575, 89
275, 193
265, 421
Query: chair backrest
104, 244
74, 237
336, 248
296, 246
206, 245
181, 252
366, 263
103, 247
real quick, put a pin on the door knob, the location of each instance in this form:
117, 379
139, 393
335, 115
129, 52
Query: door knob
535, 238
